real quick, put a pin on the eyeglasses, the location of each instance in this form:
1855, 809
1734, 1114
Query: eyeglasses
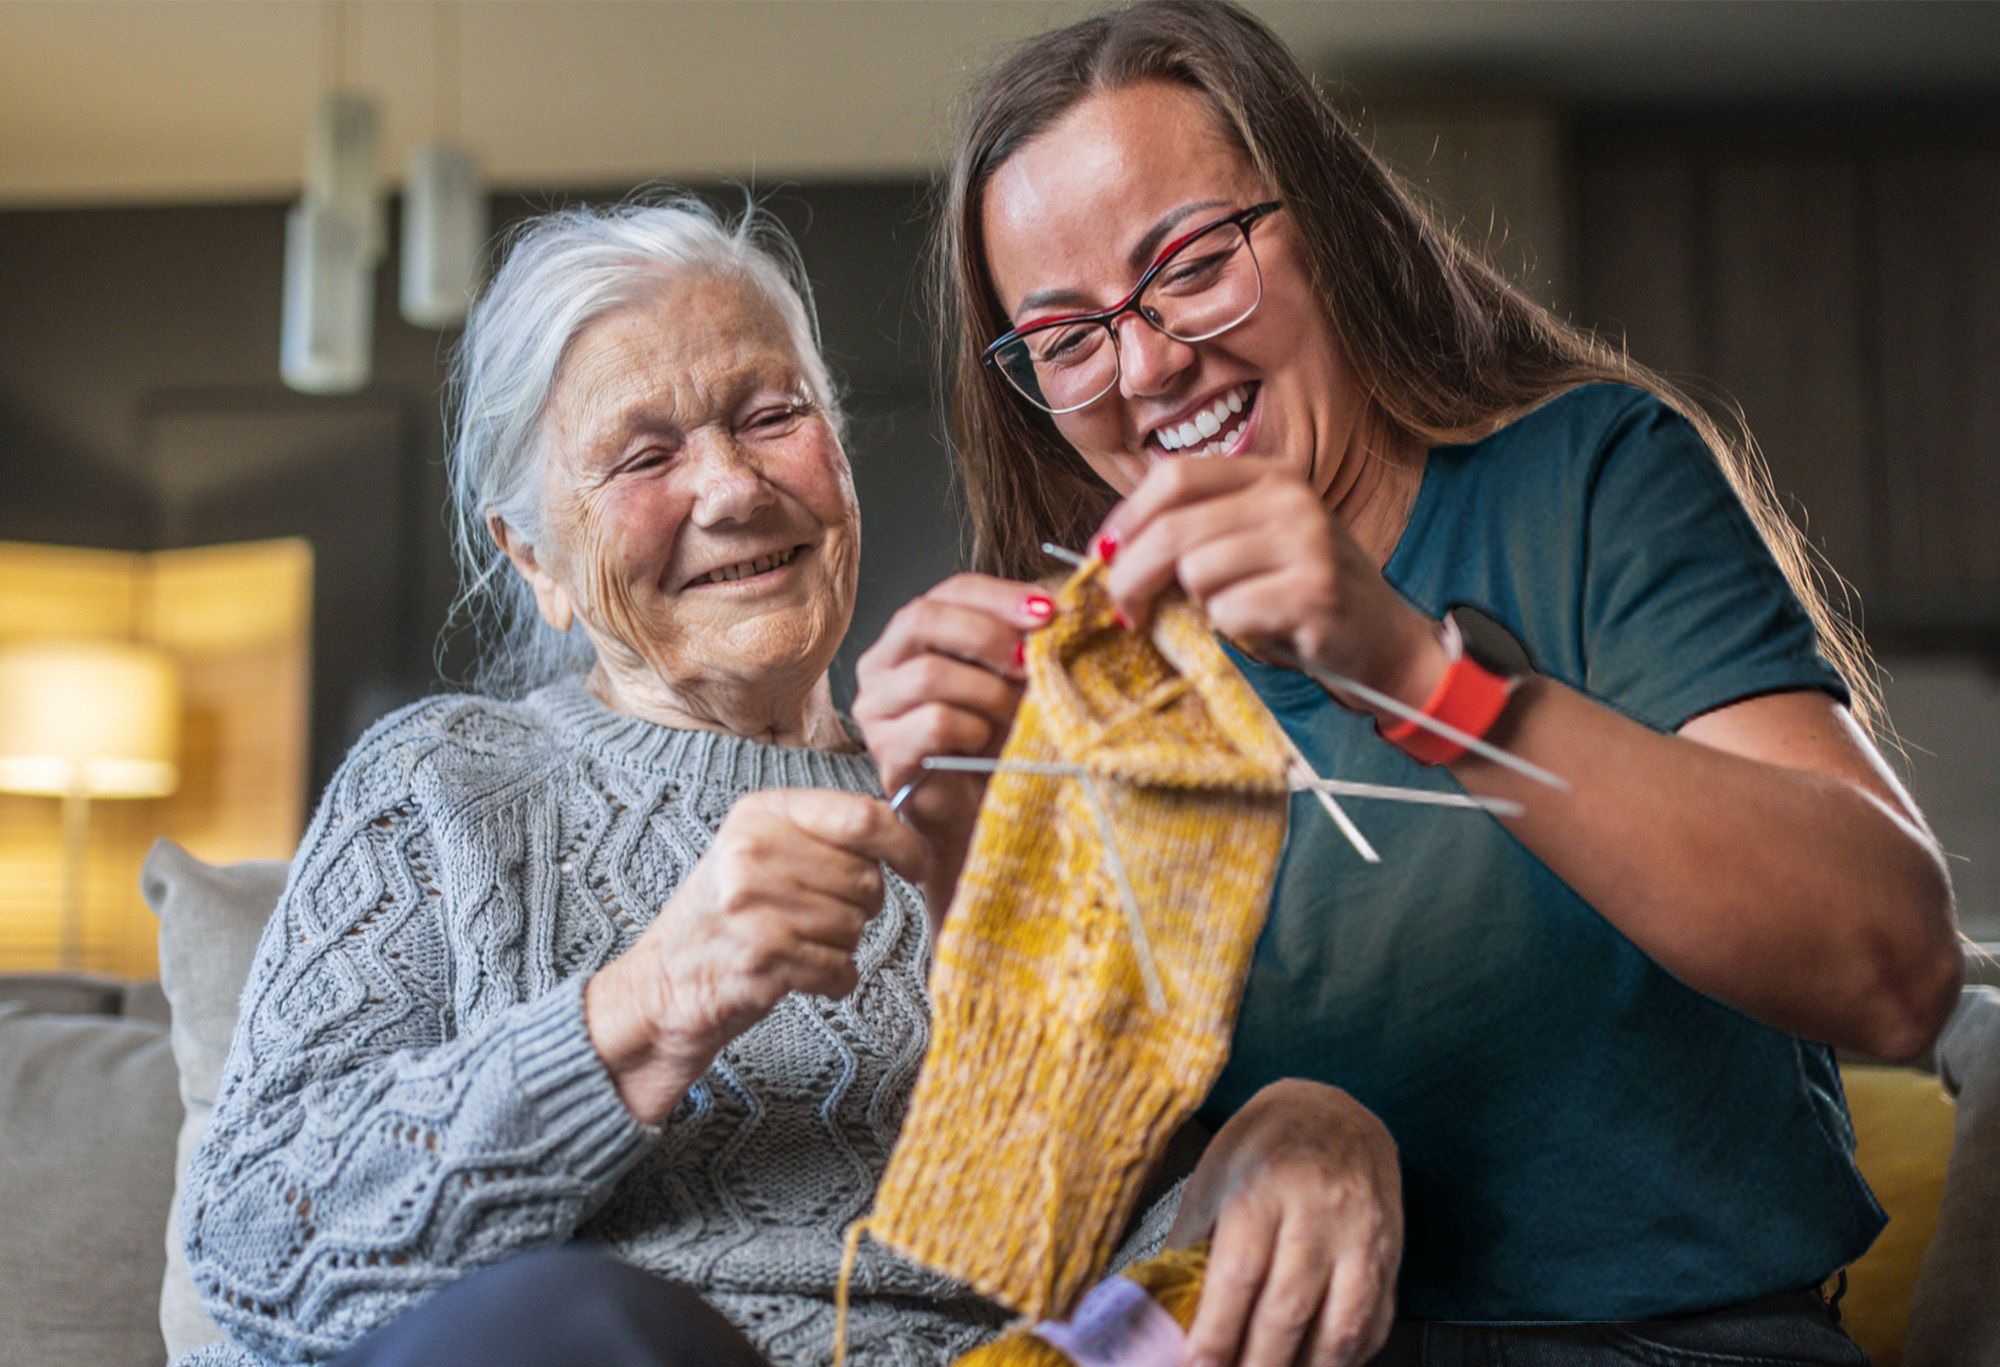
1199, 287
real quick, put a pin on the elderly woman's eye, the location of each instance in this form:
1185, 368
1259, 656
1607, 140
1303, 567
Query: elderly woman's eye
776, 419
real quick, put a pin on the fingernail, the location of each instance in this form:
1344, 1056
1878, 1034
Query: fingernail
1039, 606
1118, 615
1107, 547
1020, 653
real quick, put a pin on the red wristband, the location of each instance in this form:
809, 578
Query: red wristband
1470, 697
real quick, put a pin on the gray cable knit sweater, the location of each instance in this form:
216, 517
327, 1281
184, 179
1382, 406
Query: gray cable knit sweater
411, 1093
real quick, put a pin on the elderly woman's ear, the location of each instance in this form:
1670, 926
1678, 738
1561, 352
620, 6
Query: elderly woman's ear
550, 596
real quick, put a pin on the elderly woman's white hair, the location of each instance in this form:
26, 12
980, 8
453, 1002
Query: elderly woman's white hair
561, 272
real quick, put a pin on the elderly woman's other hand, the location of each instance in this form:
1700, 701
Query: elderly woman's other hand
945, 679
1300, 1197
777, 905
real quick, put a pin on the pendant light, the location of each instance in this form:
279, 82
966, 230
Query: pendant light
445, 218
334, 236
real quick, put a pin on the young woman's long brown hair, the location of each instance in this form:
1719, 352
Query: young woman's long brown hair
1446, 346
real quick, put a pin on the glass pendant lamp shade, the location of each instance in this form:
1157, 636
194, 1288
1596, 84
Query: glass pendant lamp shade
341, 165
328, 314
444, 231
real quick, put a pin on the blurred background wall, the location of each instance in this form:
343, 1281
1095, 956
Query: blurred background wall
1789, 207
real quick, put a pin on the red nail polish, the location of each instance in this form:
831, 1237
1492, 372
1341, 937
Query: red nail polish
1107, 547
1020, 653
1039, 606
1119, 616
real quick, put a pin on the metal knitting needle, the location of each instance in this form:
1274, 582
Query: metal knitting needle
1427, 797
1301, 770
1340, 683
1379, 792
1142, 945
903, 793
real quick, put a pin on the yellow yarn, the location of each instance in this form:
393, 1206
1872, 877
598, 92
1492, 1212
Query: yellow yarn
1173, 1279
1051, 1087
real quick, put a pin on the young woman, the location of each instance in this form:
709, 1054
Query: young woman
1200, 329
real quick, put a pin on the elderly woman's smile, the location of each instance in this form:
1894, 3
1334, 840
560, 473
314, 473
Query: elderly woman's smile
699, 515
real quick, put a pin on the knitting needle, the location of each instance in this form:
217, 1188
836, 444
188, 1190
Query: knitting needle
1380, 792
1142, 946
1340, 683
1300, 771
1498, 806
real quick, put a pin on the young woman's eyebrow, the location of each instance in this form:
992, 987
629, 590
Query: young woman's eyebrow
1146, 247
1141, 256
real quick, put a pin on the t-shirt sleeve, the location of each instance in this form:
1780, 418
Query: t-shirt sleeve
1684, 607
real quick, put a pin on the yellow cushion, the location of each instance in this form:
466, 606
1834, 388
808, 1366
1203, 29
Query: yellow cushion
1902, 1131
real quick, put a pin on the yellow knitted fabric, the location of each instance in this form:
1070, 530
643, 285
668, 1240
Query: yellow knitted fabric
1051, 1086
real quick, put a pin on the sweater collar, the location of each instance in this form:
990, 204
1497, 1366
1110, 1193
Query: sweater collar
716, 757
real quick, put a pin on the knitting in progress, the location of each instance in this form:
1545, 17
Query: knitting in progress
1052, 1082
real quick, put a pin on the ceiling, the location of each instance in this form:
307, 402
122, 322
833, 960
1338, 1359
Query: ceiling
192, 100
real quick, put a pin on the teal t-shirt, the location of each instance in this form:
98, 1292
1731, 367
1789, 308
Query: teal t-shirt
1582, 1136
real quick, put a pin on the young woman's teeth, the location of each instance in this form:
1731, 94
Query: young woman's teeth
749, 567
1204, 434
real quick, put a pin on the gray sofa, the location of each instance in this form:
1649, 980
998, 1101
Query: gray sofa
104, 1088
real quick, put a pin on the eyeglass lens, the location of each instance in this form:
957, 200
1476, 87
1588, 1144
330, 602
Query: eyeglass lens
1209, 285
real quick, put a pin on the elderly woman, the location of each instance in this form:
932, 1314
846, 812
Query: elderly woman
608, 963
1202, 331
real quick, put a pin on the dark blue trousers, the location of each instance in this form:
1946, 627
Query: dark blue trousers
578, 1304
558, 1307
1797, 1329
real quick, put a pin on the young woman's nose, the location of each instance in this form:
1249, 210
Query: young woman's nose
729, 487
1149, 361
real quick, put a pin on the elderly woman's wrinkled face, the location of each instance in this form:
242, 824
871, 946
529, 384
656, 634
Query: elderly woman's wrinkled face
699, 511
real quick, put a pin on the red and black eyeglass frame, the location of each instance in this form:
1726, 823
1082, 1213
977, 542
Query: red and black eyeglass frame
1130, 303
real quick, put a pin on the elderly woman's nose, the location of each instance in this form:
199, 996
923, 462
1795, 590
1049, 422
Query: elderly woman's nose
728, 485
1148, 360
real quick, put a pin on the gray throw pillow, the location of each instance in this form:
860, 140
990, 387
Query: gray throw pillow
210, 921
87, 1117
1955, 1313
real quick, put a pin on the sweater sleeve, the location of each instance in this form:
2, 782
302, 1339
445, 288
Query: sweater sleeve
368, 1146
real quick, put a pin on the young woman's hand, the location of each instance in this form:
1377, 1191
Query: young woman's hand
1300, 1197
1250, 541
945, 679
776, 905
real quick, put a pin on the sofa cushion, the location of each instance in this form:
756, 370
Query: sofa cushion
1903, 1138
87, 1119
1955, 1314
66, 993
211, 918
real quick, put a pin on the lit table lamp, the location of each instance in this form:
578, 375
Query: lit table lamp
85, 719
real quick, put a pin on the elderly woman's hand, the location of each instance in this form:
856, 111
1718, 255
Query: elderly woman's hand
777, 905
1250, 541
945, 679
1301, 1199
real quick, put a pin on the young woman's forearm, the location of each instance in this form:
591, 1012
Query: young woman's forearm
1815, 903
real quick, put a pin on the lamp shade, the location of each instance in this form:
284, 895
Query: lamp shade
340, 166
327, 325
94, 718
444, 231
